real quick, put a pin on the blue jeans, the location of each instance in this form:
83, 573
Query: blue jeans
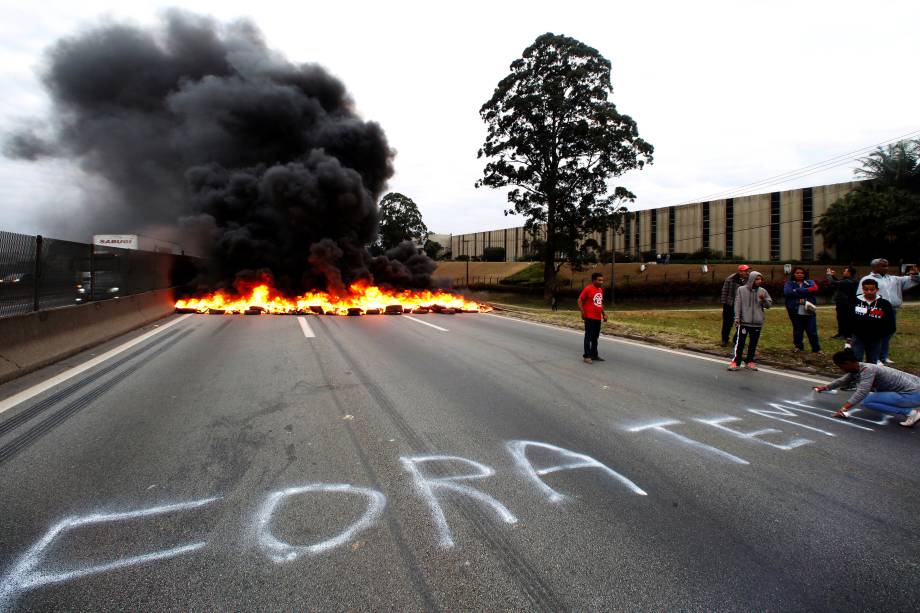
802, 325
896, 403
872, 349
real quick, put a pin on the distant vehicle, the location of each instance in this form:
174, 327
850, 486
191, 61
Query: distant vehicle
21, 278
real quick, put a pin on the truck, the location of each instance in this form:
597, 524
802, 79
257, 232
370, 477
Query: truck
110, 270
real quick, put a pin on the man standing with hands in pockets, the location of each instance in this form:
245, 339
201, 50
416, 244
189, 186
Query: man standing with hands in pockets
591, 303
750, 303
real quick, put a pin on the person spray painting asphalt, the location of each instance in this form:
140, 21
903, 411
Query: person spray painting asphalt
751, 300
591, 303
878, 387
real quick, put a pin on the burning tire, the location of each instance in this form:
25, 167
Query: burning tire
394, 309
355, 312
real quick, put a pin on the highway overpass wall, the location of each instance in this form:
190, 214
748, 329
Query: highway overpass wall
29, 342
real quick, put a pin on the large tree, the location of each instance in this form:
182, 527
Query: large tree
556, 140
881, 217
400, 220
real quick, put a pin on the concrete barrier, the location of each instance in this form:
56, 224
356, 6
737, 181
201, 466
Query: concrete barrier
29, 342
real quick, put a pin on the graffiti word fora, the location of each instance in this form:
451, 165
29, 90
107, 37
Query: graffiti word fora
430, 479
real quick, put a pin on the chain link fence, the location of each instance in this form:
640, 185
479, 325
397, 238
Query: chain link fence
39, 273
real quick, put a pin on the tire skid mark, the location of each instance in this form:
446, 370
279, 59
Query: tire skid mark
414, 570
45, 404
527, 577
48, 424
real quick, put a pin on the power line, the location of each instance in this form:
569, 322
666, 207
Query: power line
833, 162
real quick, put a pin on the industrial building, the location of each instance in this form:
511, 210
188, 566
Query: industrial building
775, 226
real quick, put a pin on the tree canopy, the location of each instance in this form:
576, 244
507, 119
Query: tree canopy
556, 140
400, 220
881, 217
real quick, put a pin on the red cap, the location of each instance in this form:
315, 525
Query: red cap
743, 267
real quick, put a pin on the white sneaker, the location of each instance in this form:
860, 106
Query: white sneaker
912, 418
888, 361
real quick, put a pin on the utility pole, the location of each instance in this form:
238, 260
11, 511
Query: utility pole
467, 253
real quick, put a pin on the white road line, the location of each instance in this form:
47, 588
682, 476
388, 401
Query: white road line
425, 323
37, 389
685, 354
307, 331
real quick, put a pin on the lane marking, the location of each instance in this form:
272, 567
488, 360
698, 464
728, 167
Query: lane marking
37, 389
425, 323
307, 331
685, 354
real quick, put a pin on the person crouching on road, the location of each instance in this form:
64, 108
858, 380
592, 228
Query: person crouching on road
751, 301
878, 387
873, 322
591, 303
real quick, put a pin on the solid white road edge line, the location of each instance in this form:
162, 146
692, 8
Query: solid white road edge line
37, 389
686, 354
425, 323
307, 331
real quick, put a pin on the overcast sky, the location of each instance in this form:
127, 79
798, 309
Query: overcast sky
729, 93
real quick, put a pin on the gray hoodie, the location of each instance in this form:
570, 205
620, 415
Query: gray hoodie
749, 307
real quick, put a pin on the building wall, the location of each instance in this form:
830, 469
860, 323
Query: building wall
751, 236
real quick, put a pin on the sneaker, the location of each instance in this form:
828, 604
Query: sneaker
912, 418
733, 366
589, 361
751, 366
888, 361
598, 359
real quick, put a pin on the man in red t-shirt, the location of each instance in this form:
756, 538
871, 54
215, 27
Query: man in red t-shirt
591, 303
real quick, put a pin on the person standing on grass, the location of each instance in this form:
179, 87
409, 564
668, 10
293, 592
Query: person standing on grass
591, 303
729, 291
891, 288
844, 300
878, 387
873, 322
800, 296
750, 303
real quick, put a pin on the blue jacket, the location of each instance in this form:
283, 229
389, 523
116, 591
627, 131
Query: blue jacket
793, 293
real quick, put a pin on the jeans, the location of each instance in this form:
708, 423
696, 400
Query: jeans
896, 403
871, 348
592, 333
804, 324
887, 340
743, 334
728, 320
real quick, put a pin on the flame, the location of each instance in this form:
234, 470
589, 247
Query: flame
361, 299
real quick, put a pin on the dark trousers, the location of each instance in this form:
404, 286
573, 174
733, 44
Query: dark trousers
592, 333
728, 321
802, 325
844, 320
749, 335
872, 348
886, 342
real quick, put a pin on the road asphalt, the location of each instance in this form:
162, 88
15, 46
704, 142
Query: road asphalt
435, 462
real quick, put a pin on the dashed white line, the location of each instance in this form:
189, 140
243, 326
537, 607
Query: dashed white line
425, 323
307, 331
685, 354
37, 389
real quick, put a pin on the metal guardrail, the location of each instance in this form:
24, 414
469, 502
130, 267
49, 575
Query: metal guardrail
38, 273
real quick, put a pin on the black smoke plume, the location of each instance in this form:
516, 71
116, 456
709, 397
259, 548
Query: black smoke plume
200, 126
